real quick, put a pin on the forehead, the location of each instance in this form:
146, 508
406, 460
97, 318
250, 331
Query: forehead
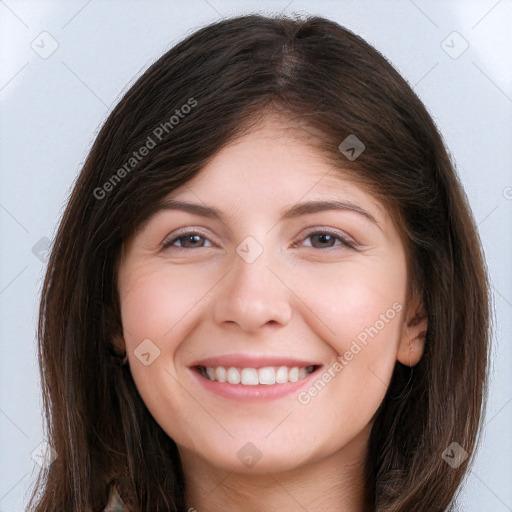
269, 165
269, 170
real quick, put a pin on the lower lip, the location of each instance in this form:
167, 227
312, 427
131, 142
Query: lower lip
258, 392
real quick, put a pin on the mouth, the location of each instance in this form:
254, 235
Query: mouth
266, 376
247, 378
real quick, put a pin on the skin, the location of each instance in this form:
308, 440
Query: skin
309, 300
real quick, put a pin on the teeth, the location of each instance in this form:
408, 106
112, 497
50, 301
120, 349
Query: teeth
252, 377
267, 375
249, 377
282, 375
293, 374
233, 376
220, 374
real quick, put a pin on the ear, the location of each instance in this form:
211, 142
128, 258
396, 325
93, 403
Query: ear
412, 342
114, 331
119, 345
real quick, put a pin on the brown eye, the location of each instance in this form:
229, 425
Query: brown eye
328, 239
323, 239
189, 240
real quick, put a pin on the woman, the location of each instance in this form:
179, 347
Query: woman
267, 290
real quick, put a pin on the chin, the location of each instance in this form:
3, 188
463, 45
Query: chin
260, 456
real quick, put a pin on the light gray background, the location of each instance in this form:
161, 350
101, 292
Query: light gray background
52, 108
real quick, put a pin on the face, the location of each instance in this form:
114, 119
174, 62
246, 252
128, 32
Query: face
284, 275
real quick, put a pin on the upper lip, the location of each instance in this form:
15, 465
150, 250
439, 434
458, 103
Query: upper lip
255, 361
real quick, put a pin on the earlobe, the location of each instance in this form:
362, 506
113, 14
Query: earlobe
119, 345
114, 331
412, 343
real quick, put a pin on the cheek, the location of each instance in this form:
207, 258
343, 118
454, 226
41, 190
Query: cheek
158, 304
356, 301
154, 301
154, 306
359, 312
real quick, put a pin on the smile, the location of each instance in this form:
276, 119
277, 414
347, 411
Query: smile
250, 377
268, 375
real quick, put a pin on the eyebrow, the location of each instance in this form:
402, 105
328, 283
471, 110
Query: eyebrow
297, 210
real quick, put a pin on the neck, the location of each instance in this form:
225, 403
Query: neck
332, 484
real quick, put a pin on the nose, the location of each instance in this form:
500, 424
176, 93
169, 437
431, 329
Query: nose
252, 295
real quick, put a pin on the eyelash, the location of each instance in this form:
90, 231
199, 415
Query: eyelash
167, 244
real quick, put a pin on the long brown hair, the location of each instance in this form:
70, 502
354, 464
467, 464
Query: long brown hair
217, 83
